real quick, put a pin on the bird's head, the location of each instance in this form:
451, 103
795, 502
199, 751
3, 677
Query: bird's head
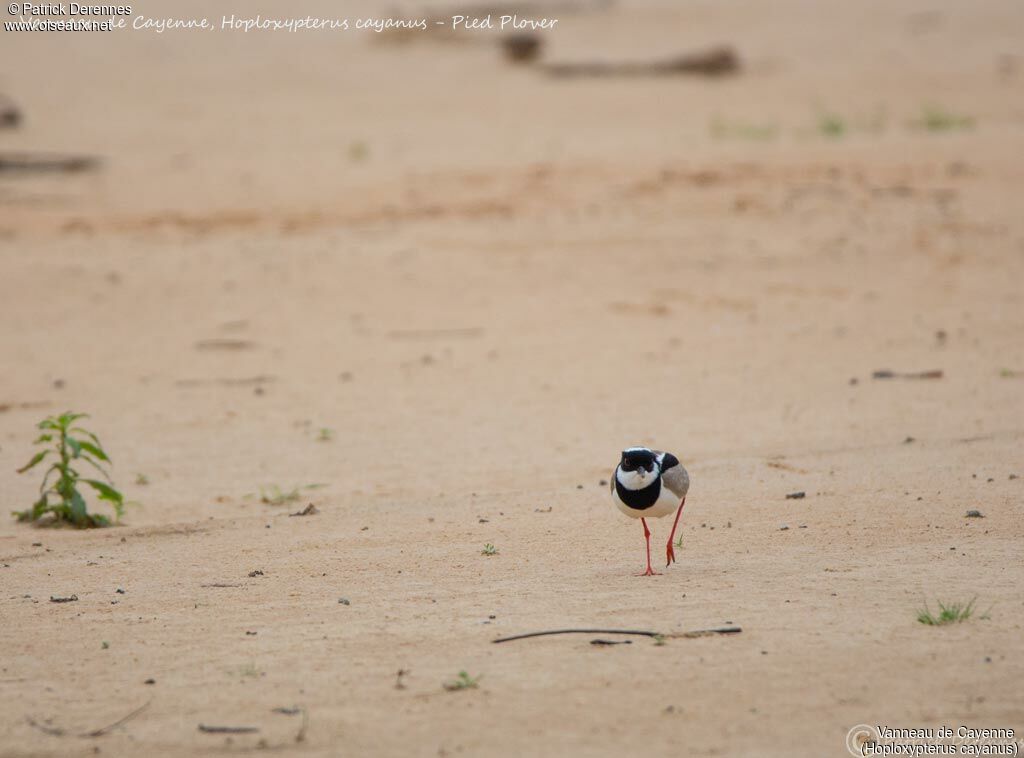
638, 467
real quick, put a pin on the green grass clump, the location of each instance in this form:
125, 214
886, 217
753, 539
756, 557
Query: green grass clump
463, 682
953, 613
722, 129
489, 549
60, 496
274, 495
935, 118
832, 125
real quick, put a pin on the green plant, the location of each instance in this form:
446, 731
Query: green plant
250, 670
722, 129
489, 549
948, 614
358, 151
62, 498
326, 434
274, 495
937, 119
463, 682
831, 125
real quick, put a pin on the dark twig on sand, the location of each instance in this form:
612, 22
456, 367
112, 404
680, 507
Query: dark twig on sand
228, 729
887, 374
104, 729
641, 633
43, 162
58, 732
714, 62
51, 730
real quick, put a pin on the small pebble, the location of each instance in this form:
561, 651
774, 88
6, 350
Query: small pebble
796, 495
783, 528
344, 601
974, 514
150, 681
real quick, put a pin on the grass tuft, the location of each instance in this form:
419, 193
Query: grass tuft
935, 118
489, 549
832, 125
953, 613
463, 682
274, 495
741, 130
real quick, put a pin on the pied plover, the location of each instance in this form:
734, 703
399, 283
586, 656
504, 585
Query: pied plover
650, 484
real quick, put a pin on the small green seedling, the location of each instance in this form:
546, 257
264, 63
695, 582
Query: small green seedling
937, 119
722, 129
489, 549
326, 434
831, 125
659, 640
948, 614
358, 151
250, 670
141, 479
463, 682
61, 497
274, 495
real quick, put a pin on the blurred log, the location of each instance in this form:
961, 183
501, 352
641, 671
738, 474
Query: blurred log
718, 61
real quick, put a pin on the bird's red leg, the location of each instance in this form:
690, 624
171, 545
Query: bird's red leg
670, 553
647, 536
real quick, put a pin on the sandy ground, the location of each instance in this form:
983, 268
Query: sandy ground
485, 283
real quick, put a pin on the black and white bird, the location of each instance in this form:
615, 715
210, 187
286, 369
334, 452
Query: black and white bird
650, 484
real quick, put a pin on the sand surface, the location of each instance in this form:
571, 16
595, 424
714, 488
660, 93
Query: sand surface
485, 283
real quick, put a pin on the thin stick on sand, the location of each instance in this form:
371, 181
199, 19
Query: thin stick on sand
58, 732
637, 632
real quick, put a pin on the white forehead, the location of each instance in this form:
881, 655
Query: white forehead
637, 450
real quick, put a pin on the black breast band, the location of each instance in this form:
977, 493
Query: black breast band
639, 500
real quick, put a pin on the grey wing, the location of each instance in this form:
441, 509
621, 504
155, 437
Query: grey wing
677, 480
673, 475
